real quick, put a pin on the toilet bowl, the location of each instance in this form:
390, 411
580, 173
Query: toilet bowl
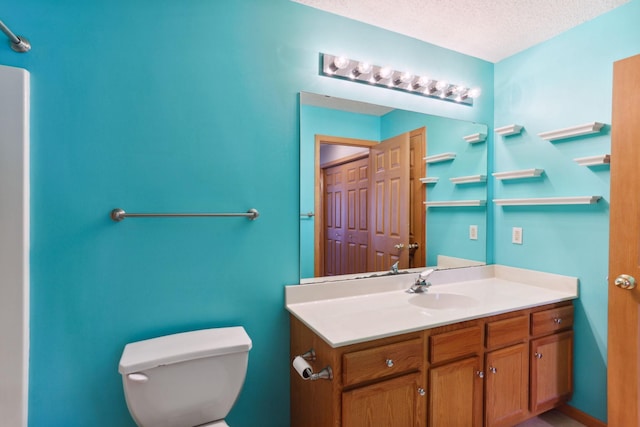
186, 379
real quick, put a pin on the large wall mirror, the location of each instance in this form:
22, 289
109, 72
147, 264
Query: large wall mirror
380, 185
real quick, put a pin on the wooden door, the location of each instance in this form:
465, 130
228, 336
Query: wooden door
395, 402
624, 247
455, 394
319, 228
551, 371
390, 203
345, 217
356, 216
506, 386
333, 216
417, 197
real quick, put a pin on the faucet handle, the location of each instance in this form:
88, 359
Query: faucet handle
426, 273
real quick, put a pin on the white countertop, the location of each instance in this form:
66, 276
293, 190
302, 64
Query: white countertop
348, 312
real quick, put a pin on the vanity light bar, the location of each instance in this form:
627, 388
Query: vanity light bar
350, 69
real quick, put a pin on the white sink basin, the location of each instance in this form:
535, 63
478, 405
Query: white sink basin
442, 301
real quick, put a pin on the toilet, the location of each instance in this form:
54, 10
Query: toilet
186, 379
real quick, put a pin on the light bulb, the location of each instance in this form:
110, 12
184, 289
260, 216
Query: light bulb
341, 62
364, 67
384, 73
422, 81
441, 84
361, 68
474, 93
403, 78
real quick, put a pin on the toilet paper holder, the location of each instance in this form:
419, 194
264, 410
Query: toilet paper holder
303, 368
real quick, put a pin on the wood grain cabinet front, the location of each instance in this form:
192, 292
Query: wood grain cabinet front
397, 402
490, 372
551, 371
506, 386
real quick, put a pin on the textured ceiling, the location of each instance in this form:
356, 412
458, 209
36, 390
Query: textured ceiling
488, 29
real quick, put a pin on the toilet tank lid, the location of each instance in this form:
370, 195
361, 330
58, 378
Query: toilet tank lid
151, 353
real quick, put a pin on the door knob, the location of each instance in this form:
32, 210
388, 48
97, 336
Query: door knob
399, 246
624, 281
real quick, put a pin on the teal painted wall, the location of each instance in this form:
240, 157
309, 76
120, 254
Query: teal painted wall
560, 83
178, 106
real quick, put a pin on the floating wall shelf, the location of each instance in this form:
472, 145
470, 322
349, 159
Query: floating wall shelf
468, 179
429, 180
440, 157
455, 203
602, 159
519, 174
476, 137
570, 132
509, 130
581, 200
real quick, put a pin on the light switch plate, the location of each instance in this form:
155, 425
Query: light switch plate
473, 232
516, 235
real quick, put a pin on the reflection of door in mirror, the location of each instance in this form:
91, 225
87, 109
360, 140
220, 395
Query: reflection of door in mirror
371, 209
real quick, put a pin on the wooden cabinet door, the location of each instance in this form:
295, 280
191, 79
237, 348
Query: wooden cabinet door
506, 386
397, 402
455, 394
551, 371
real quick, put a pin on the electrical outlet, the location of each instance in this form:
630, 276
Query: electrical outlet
516, 235
473, 232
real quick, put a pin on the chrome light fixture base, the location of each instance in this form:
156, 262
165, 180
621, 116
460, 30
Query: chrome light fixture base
349, 69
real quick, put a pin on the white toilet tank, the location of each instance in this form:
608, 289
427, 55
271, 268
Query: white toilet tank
185, 379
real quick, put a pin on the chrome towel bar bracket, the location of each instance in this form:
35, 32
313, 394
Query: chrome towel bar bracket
119, 214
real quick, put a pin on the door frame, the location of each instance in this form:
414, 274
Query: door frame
318, 226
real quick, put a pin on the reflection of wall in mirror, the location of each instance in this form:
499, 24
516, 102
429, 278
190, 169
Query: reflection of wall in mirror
447, 229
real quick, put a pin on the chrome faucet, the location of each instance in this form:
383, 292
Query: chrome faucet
421, 285
394, 268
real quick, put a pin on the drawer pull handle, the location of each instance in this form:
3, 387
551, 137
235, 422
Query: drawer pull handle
389, 363
492, 369
557, 320
537, 355
480, 374
421, 391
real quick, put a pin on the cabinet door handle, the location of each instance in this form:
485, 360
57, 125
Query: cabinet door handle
557, 320
480, 374
389, 363
492, 369
537, 355
421, 391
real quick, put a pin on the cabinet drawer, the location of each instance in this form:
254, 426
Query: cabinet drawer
383, 361
507, 331
454, 344
548, 321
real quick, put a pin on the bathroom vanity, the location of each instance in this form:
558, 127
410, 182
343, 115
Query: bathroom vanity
485, 346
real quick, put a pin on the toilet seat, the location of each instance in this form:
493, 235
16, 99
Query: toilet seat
219, 423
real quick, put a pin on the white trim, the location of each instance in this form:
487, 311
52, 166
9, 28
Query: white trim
580, 200
429, 180
440, 157
14, 245
468, 179
476, 137
570, 132
519, 174
455, 203
601, 159
509, 130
